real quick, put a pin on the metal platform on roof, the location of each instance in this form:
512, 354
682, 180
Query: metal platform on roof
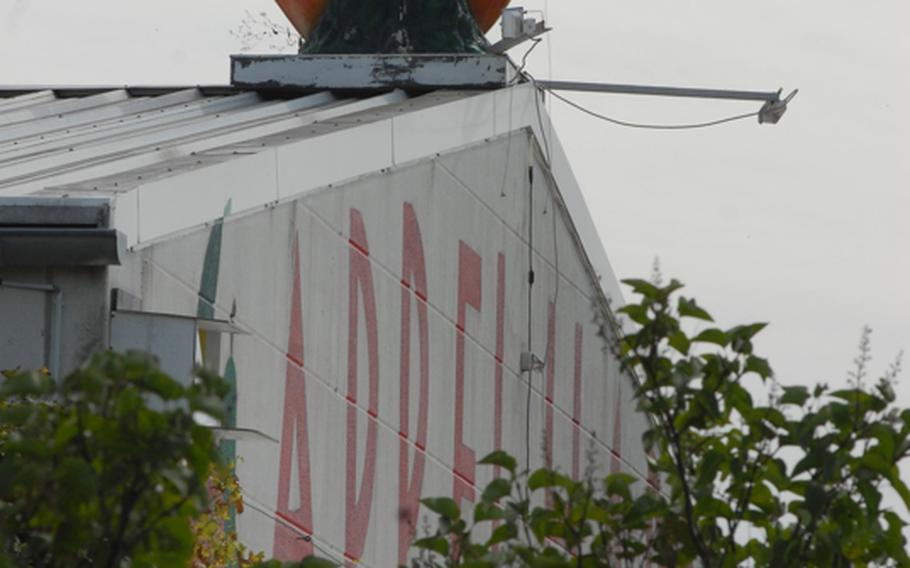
415, 72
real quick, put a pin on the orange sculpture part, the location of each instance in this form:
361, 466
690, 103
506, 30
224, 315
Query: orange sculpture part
486, 12
305, 14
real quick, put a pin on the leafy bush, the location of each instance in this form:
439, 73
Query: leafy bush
796, 481
106, 466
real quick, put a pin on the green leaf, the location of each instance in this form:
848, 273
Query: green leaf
437, 544
619, 484
485, 511
709, 467
860, 398
712, 335
797, 395
746, 332
636, 312
542, 478
30, 384
477, 563
876, 463
713, 507
679, 341
442, 506
886, 441
895, 478
689, 309
762, 498
496, 490
810, 462
77, 482
643, 287
503, 533
316, 562
501, 459
759, 366
162, 385
175, 541
815, 498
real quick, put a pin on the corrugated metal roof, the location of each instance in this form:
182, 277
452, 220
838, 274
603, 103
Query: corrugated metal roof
50, 138
168, 159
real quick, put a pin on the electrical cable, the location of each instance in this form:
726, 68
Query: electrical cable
555, 250
524, 58
530, 311
546, 17
505, 170
627, 124
543, 134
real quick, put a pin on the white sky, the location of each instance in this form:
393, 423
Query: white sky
802, 224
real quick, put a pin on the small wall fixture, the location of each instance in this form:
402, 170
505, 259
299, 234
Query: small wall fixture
774, 109
530, 362
517, 28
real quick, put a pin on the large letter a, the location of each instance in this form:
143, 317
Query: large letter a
295, 510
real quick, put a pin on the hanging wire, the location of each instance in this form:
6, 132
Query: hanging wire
520, 72
546, 16
627, 124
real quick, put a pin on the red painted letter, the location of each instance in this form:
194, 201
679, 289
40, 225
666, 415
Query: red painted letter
551, 384
360, 282
289, 544
469, 294
413, 279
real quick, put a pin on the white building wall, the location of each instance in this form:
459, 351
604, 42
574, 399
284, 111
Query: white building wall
480, 197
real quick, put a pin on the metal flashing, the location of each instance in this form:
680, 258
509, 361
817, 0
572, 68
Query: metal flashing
412, 72
49, 212
8, 93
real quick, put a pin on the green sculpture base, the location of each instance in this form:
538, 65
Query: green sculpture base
396, 26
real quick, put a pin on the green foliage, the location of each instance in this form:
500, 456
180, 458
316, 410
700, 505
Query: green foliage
542, 519
105, 467
797, 480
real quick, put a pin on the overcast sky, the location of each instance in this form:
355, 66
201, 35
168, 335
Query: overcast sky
802, 224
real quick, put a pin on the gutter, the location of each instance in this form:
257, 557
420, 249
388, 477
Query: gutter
63, 247
57, 232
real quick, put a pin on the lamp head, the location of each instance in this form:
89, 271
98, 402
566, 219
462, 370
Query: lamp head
772, 111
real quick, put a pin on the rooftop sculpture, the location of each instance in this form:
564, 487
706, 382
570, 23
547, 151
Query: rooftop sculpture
393, 26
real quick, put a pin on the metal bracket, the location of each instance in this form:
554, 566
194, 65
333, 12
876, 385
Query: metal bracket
530, 362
